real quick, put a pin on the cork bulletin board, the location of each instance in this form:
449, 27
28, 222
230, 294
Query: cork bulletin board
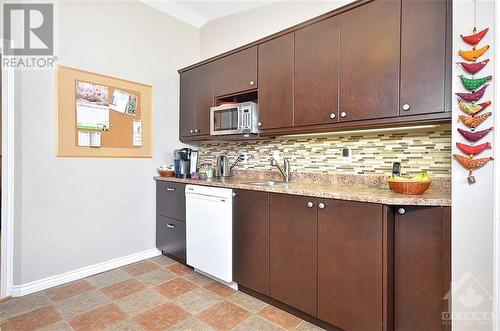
119, 136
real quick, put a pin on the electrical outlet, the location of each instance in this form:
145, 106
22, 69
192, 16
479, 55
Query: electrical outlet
347, 155
276, 155
244, 158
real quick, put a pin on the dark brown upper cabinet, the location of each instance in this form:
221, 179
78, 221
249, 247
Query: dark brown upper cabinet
196, 98
251, 240
423, 57
368, 64
350, 264
293, 251
236, 72
316, 73
369, 61
187, 114
276, 83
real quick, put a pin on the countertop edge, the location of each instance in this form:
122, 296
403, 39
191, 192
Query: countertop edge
393, 200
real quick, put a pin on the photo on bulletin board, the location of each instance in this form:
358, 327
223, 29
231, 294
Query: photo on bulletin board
102, 116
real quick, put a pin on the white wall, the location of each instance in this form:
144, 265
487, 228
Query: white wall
225, 33
473, 205
79, 212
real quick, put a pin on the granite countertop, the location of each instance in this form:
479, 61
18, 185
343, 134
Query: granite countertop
338, 191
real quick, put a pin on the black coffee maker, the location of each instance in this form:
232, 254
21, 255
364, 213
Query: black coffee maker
182, 162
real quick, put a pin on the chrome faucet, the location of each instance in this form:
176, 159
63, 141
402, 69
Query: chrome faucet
285, 171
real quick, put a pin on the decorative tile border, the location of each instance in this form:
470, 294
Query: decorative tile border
372, 153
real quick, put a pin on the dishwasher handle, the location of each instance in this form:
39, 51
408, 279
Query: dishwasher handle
206, 197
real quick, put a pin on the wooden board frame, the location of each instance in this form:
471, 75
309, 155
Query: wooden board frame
66, 131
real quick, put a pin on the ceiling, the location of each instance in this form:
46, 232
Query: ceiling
198, 13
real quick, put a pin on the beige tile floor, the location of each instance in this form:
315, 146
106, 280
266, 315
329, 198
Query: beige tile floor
155, 294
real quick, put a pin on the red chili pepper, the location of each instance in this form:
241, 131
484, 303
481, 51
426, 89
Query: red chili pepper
474, 136
473, 67
469, 163
475, 38
473, 96
473, 150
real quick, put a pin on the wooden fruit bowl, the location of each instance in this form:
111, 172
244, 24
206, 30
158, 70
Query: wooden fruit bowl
408, 186
165, 171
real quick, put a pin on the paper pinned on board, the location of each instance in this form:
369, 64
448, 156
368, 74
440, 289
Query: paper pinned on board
132, 105
137, 133
92, 106
120, 101
89, 139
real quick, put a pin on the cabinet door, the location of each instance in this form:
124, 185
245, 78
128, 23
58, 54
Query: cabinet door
187, 111
236, 72
369, 56
293, 251
316, 73
251, 240
204, 98
422, 251
170, 200
350, 268
423, 56
276, 83
171, 237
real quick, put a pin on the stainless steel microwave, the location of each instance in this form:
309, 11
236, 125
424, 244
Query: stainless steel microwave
234, 118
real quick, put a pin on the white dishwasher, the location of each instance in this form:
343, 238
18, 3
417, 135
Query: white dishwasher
209, 230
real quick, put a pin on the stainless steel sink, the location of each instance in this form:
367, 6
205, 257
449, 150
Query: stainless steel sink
268, 183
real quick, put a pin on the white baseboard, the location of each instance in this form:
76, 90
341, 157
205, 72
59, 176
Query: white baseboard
42, 284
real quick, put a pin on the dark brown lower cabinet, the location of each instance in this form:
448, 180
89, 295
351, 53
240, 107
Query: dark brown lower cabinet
422, 267
350, 264
171, 237
170, 200
293, 251
251, 240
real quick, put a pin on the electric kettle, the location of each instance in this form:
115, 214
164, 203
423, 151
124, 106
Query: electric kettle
222, 167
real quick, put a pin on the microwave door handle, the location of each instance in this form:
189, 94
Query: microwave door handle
240, 119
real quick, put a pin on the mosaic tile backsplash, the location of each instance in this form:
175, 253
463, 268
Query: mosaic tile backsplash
372, 153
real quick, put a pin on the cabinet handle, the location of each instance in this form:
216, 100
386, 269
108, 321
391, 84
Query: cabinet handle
321, 205
343, 114
170, 226
196, 130
406, 107
259, 124
252, 83
170, 189
401, 211
235, 195
310, 204
191, 131
332, 116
